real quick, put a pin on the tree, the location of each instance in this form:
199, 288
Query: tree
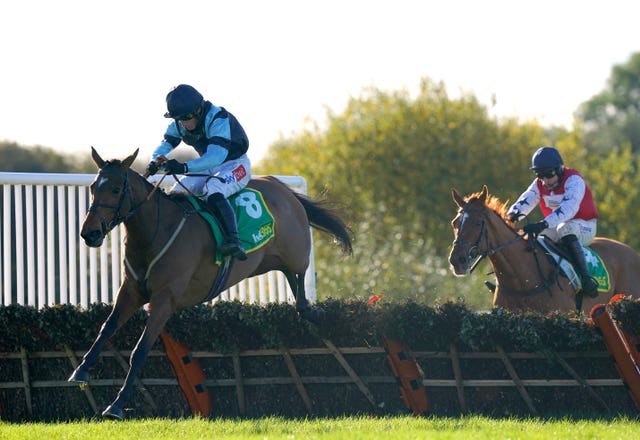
616, 186
612, 117
38, 159
393, 158
609, 124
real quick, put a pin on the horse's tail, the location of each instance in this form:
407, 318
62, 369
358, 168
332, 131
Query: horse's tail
327, 217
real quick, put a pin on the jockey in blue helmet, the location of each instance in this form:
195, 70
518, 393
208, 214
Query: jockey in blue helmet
566, 201
222, 168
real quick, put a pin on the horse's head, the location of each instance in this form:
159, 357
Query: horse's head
469, 231
479, 223
111, 202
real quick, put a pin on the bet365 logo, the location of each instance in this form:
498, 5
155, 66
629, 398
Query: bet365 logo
262, 233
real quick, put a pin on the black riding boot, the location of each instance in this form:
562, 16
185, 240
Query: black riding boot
231, 244
589, 285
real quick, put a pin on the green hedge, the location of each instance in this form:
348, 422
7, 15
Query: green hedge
228, 327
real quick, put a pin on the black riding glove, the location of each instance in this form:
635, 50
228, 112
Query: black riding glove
515, 216
174, 167
152, 168
535, 228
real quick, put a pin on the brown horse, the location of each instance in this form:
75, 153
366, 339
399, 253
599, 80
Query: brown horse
169, 253
526, 278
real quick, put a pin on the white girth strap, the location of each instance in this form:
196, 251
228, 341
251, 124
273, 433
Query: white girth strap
157, 257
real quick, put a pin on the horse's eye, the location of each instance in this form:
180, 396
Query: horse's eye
115, 190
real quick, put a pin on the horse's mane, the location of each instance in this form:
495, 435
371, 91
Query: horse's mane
493, 203
117, 164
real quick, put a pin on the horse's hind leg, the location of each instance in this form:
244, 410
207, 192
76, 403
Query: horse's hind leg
127, 303
296, 282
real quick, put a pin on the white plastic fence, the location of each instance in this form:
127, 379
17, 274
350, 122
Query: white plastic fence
43, 260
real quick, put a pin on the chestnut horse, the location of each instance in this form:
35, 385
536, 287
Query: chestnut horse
169, 254
527, 279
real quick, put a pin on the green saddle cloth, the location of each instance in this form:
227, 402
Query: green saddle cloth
255, 221
597, 269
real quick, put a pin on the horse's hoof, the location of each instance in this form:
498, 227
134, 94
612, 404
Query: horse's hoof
79, 376
313, 314
113, 413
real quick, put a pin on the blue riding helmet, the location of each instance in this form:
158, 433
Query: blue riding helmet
183, 100
547, 158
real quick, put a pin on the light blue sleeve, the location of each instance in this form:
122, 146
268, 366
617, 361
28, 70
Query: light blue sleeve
172, 131
215, 155
163, 149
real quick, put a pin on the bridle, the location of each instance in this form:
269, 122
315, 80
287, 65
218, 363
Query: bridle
222, 275
118, 217
474, 255
125, 194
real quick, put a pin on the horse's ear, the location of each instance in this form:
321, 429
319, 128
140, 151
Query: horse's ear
96, 158
485, 192
129, 160
456, 198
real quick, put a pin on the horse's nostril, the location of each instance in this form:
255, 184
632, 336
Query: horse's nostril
92, 236
458, 260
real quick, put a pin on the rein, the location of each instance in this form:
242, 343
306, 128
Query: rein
120, 218
117, 217
544, 286
492, 251
126, 193
478, 257
222, 274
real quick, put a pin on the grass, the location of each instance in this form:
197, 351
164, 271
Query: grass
467, 427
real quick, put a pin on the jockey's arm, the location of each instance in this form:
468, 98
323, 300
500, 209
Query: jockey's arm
214, 155
527, 201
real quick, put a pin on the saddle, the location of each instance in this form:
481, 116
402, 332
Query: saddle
560, 256
255, 221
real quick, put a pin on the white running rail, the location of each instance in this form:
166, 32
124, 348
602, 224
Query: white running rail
44, 262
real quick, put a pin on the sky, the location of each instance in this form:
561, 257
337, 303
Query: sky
76, 74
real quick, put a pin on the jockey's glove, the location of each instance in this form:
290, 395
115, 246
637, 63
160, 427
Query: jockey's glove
535, 228
152, 168
515, 216
174, 167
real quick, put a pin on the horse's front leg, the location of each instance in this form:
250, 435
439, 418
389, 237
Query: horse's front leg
127, 302
158, 317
